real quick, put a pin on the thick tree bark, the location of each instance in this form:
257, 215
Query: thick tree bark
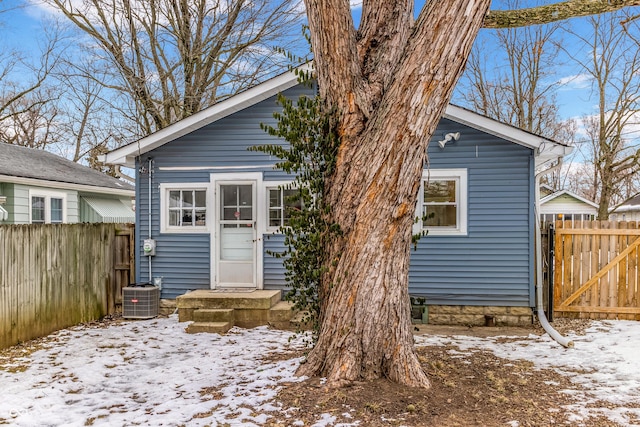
390, 83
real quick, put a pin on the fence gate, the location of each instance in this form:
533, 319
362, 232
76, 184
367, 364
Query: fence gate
596, 272
123, 264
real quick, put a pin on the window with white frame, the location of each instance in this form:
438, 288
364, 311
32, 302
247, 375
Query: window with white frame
183, 208
282, 201
47, 207
443, 202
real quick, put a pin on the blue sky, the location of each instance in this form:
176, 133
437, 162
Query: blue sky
22, 29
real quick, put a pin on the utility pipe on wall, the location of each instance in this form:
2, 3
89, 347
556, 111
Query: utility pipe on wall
149, 172
563, 341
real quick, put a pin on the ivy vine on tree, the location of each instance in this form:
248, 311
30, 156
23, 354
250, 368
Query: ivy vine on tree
309, 156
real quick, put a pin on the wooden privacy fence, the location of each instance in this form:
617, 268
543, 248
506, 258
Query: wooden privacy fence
596, 272
55, 276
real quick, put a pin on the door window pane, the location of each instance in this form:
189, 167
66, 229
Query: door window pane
237, 203
246, 195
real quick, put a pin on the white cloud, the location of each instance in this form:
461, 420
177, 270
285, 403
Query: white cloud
575, 81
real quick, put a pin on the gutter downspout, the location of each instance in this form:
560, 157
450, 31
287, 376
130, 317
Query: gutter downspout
563, 341
149, 206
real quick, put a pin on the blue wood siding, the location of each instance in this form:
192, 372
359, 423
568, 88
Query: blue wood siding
183, 260
492, 264
273, 268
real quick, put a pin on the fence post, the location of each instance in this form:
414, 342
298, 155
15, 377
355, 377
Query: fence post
551, 257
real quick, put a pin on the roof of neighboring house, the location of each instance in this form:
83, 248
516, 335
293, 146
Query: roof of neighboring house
545, 190
560, 193
38, 167
631, 204
545, 149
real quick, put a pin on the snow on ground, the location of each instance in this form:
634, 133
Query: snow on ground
147, 373
153, 373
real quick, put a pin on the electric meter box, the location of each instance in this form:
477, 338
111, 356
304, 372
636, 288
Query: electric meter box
149, 247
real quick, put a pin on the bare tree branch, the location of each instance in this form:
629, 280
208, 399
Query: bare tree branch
173, 58
554, 12
612, 61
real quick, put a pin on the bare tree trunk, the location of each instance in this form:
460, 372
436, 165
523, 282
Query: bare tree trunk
390, 100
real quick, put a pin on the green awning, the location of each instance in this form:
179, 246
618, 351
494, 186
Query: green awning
111, 210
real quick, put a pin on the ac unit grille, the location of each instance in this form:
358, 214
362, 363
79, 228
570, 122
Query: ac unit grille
140, 302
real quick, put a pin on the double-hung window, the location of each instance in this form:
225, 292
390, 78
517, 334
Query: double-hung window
282, 201
443, 202
183, 207
47, 207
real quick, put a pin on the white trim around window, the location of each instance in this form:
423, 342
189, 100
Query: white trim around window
267, 187
454, 209
51, 204
196, 209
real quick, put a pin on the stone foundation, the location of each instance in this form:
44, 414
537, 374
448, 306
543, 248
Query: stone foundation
479, 315
167, 307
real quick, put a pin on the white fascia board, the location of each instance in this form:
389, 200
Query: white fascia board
65, 185
544, 149
126, 155
625, 208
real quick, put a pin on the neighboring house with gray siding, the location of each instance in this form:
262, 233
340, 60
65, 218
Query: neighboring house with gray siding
212, 207
39, 187
629, 210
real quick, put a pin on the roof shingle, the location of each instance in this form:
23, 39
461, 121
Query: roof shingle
33, 163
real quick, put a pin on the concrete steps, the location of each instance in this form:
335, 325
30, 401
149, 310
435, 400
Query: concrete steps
210, 327
217, 312
213, 315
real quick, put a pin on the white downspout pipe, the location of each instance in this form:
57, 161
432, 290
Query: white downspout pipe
563, 341
150, 171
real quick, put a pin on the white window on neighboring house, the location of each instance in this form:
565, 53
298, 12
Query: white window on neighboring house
183, 208
47, 207
281, 202
443, 202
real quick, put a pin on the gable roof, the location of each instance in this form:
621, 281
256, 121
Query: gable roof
631, 204
544, 149
30, 166
568, 193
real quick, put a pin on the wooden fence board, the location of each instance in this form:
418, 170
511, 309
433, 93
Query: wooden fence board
55, 276
597, 274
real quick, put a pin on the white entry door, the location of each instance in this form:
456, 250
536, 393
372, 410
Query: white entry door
236, 234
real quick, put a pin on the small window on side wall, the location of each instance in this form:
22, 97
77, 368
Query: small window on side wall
282, 201
56, 210
47, 207
443, 202
183, 208
37, 209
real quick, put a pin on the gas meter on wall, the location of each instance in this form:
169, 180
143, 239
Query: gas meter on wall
149, 247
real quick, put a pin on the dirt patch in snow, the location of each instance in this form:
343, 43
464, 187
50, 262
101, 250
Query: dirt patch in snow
470, 388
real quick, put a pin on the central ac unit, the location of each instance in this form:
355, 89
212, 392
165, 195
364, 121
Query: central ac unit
140, 301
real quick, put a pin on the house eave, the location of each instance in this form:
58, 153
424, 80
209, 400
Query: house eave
65, 185
544, 149
625, 209
126, 155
